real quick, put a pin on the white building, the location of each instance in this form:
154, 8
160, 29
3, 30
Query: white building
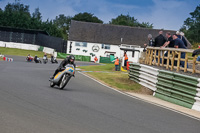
94, 39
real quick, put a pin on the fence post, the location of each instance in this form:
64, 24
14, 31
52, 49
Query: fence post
168, 56
186, 61
163, 57
158, 58
194, 63
172, 62
151, 57
178, 61
154, 60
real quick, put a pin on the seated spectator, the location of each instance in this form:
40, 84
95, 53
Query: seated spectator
178, 43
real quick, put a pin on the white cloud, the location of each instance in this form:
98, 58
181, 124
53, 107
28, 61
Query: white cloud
168, 14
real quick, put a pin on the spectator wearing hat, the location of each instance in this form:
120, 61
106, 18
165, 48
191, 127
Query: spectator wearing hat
151, 42
181, 36
178, 43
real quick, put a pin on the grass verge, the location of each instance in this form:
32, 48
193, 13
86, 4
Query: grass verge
117, 80
103, 67
20, 52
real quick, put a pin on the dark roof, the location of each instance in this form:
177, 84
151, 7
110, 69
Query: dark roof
110, 34
31, 31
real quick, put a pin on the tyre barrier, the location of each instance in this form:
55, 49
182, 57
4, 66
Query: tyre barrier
172, 87
8, 59
144, 75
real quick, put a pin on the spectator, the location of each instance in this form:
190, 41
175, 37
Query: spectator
95, 59
151, 42
169, 43
116, 64
160, 39
125, 58
178, 43
181, 36
196, 52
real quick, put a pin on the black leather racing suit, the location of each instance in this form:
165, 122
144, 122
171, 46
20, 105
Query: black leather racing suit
63, 64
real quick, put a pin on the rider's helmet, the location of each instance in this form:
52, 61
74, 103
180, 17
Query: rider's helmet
71, 59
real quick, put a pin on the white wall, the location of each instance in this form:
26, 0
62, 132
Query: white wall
25, 46
101, 52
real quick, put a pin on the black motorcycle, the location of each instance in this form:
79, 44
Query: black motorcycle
53, 60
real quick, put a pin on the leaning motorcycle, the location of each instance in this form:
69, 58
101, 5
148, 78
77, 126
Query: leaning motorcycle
45, 59
62, 78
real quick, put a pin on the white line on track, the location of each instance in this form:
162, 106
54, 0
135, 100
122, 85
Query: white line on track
141, 99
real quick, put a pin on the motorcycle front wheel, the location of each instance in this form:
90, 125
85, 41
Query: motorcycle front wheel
52, 84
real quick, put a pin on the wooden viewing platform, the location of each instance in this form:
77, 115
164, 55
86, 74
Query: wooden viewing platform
174, 55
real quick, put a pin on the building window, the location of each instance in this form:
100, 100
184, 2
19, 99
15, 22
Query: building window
105, 46
81, 44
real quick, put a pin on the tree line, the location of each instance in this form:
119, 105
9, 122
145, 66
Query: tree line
17, 15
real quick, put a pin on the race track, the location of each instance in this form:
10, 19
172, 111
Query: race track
29, 105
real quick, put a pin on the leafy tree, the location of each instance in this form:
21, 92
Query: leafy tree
36, 20
63, 23
87, 17
191, 26
127, 20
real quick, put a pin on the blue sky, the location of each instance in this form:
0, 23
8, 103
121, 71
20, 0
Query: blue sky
167, 14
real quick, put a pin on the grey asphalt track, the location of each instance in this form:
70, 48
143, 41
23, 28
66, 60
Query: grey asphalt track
29, 105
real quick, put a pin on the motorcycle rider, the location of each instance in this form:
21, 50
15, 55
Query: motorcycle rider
37, 59
53, 59
69, 60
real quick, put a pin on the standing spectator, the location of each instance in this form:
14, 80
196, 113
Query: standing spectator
181, 36
170, 42
178, 43
160, 39
116, 64
151, 42
95, 59
125, 58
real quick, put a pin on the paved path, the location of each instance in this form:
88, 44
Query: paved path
29, 105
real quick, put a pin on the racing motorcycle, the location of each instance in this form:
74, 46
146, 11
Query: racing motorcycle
45, 59
29, 58
53, 60
62, 78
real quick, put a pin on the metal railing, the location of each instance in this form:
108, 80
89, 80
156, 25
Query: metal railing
171, 58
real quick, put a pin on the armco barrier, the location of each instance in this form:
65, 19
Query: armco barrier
173, 87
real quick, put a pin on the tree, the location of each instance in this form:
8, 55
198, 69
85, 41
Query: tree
36, 19
63, 22
127, 20
87, 17
191, 26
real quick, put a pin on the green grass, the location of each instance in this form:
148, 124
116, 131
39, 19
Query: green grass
20, 52
107, 67
115, 79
